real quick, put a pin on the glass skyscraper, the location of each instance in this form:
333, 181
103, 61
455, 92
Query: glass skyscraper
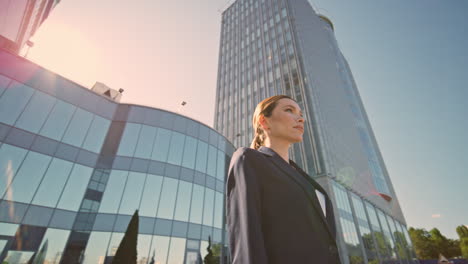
75, 165
270, 47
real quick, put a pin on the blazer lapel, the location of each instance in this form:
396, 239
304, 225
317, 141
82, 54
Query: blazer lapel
303, 182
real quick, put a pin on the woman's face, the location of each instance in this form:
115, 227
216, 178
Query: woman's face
286, 123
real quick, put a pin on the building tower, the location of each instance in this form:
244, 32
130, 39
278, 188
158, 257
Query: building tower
20, 19
270, 47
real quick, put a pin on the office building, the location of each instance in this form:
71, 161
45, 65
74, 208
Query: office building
75, 165
20, 19
270, 47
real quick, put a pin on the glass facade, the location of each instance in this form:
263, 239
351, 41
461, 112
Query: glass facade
270, 47
74, 167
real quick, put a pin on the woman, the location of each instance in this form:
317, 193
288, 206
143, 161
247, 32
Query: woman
276, 213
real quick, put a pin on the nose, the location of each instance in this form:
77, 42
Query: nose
301, 119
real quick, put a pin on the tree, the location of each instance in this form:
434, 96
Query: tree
441, 243
462, 232
423, 244
127, 251
213, 256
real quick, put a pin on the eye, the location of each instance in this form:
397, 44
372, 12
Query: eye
289, 110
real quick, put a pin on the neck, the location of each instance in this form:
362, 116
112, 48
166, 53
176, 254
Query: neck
281, 148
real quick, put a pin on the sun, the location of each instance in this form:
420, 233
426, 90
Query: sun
66, 51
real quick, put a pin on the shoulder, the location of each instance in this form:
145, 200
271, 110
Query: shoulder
244, 153
245, 157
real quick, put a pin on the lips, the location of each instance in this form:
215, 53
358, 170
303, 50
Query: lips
301, 128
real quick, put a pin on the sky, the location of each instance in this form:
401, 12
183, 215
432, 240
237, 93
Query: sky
409, 60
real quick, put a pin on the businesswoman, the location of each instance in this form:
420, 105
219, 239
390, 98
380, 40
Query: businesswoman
276, 213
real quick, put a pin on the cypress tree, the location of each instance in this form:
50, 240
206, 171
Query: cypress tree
127, 251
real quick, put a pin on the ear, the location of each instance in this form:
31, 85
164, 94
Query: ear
263, 122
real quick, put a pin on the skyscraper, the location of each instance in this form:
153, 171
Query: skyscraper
271, 47
19, 20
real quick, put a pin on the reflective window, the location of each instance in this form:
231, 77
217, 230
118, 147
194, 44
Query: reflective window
190, 150
129, 140
218, 212
13, 101
161, 145
53, 182
212, 157
160, 248
75, 188
143, 247
95, 251
132, 193
386, 233
202, 150
176, 149
52, 246
366, 236
78, 127
28, 178
96, 134
58, 120
114, 243
151, 194
145, 142
168, 196
183, 201
208, 208
221, 171
177, 251
35, 112
196, 208
10, 160
349, 231
113, 193
8, 229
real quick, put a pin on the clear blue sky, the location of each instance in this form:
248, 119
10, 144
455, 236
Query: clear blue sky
409, 59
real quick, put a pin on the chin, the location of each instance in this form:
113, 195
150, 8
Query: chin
296, 139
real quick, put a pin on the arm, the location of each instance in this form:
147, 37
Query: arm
244, 210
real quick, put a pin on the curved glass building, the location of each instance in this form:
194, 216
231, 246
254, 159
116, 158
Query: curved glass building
75, 165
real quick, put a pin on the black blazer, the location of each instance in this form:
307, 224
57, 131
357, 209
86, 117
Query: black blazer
273, 213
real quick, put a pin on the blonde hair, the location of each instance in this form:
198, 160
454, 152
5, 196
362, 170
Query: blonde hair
264, 108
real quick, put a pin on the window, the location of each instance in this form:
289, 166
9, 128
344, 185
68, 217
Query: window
10, 160
113, 193
168, 196
75, 188
190, 149
145, 142
151, 195
58, 120
183, 201
132, 193
96, 135
201, 156
13, 101
208, 208
27, 179
78, 128
52, 185
176, 149
212, 157
129, 140
96, 248
161, 145
36, 112
197, 204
